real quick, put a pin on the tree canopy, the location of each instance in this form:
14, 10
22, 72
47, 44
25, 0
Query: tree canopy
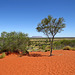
50, 27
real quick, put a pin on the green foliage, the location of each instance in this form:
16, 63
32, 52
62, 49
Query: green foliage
14, 41
3, 55
67, 48
73, 49
66, 42
48, 48
57, 45
50, 27
43, 47
62, 43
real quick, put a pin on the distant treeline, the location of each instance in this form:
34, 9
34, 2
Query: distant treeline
55, 37
46, 39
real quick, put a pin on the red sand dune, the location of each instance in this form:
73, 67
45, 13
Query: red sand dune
39, 63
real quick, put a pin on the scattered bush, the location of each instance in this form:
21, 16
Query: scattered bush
3, 55
65, 42
73, 49
67, 48
48, 48
57, 45
43, 47
62, 43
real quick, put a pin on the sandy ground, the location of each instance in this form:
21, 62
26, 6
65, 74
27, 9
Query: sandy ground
39, 63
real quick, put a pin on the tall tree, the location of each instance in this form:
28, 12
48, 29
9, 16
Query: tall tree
50, 27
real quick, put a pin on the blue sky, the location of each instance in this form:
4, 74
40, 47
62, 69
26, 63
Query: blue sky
24, 15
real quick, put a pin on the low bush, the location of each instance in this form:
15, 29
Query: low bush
3, 55
57, 45
48, 48
73, 49
14, 42
67, 48
43, 47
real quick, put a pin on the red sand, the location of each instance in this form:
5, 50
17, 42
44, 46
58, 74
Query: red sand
39, 63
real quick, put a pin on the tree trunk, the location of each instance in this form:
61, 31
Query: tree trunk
51, 46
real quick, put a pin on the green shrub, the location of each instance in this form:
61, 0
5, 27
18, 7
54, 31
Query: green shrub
43, 47
3, 55
65, 42
48, 48
67, 48
57, 45
73, 49
13, 42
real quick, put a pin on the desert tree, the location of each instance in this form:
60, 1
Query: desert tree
50, 27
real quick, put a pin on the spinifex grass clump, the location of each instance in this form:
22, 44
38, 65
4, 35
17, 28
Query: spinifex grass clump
3, 55
67, 48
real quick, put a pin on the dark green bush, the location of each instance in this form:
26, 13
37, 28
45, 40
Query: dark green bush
13, 42
66, 42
